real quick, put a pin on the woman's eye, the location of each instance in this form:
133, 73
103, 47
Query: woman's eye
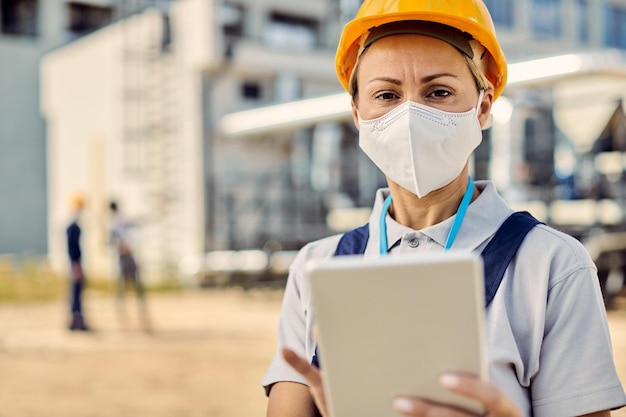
386, 95
441, 93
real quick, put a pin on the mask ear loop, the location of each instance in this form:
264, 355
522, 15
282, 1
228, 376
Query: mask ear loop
481, 95
489, 121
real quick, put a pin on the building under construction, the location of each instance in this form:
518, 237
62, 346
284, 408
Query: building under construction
220, 127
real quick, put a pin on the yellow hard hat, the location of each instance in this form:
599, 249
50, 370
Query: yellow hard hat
470, 16
77, 201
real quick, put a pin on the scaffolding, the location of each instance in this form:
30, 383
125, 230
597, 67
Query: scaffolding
149, 125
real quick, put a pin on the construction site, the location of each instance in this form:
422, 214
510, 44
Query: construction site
230, 155
220, 128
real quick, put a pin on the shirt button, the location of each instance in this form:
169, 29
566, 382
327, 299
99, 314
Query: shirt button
414, 242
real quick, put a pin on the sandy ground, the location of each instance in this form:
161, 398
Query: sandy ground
204, 357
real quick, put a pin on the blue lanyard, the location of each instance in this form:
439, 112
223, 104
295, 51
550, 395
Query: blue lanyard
458, 220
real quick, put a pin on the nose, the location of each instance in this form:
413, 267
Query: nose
413, 95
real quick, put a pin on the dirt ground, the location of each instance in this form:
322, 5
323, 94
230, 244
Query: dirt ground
204, 357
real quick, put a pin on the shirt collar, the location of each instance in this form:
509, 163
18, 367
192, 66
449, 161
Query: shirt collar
483, 217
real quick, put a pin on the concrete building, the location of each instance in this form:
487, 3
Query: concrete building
150, 111
28, 30
131, 117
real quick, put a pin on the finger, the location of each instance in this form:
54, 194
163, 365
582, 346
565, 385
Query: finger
304, 367
311, 373
416, 407
470, 386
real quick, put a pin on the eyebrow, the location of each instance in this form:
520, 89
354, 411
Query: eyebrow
429, 78
425, 79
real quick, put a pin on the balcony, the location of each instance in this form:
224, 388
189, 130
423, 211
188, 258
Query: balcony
247, 56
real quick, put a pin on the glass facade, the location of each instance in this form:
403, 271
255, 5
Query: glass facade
501, 12
546, 17
293, 32
614, 27
581, 10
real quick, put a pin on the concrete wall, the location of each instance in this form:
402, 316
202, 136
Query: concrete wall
85, 97
78, 92
22, 160
23, 190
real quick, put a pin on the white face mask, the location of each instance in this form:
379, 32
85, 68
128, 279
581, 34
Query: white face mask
419, 147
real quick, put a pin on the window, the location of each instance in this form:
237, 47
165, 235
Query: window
287, 31
19, 17
546, 17
166, 38
482, 156
614, 26
581, 9
501, 12
539, 143
233, 16
251, 90
85, 18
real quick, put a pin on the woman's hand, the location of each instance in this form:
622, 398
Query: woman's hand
313, 376
494, 400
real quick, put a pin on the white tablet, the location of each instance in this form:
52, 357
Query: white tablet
393, 325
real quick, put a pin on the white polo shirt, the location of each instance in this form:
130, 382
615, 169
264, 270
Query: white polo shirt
548, 341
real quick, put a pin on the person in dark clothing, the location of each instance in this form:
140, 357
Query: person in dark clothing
77, 277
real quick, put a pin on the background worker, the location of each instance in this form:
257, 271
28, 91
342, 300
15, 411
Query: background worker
77, 276
423, 75
123, 238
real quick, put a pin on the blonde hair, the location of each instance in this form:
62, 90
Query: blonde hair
482, 82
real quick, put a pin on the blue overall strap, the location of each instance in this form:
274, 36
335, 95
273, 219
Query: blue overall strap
353, 242
502, 248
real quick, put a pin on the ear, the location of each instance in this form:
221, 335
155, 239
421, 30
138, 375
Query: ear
355, 114
484, 107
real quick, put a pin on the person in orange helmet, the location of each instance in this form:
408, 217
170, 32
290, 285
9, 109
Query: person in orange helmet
77, 276
423, 75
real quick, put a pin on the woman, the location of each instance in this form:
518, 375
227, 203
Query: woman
423, 76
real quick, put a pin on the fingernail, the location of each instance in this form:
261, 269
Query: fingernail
402, 405
449, 380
